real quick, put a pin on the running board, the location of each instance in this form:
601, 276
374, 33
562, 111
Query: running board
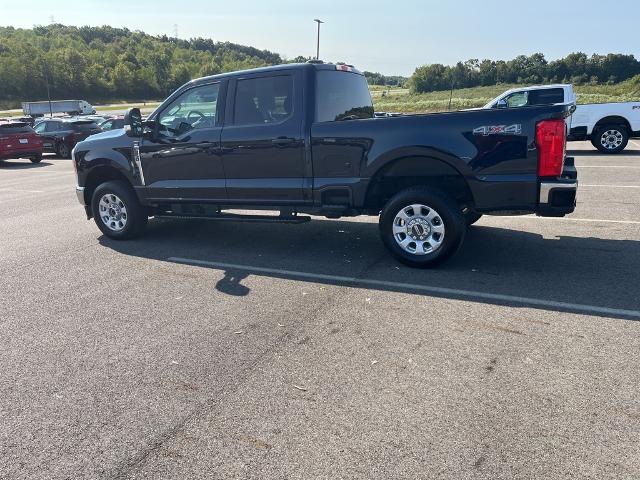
232, 217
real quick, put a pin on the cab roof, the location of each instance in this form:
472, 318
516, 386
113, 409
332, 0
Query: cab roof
310, 65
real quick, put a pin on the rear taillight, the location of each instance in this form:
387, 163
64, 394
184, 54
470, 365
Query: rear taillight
551, 141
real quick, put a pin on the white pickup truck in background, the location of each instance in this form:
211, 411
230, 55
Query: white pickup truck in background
609, 126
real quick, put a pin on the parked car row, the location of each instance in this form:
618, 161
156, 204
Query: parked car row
23, 138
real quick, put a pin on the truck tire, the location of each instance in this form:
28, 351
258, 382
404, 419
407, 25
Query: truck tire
422, 226
63, 150
610, 138
472, 217
117, 211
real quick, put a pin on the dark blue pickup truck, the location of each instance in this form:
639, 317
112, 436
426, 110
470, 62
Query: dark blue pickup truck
302, 139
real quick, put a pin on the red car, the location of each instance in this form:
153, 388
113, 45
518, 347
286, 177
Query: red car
19, 140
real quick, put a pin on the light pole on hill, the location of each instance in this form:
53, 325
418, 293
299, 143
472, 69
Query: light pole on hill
318, 43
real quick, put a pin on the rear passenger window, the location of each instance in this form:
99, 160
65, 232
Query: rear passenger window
263, 100
52, 127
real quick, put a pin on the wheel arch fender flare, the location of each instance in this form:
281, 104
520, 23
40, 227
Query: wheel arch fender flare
104, 170
416, 162
612, 120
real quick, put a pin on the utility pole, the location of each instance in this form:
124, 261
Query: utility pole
46, 79
318, 43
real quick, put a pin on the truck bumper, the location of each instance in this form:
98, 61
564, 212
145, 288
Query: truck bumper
80, 195
557, 197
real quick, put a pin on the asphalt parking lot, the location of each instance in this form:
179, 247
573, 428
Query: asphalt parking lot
243, 350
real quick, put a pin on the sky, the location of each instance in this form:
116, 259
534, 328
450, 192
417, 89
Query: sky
389, 37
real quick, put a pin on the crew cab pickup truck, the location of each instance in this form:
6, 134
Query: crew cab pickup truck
301, 139
608, 126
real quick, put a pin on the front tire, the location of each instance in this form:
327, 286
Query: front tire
422, 227
610, 138
117, 211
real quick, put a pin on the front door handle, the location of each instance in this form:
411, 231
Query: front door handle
209, 147
282, 141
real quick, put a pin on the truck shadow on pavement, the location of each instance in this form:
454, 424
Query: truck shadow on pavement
560, 273
22, 165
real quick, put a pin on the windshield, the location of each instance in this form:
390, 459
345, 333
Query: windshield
342, 96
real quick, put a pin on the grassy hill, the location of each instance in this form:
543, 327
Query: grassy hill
102, 64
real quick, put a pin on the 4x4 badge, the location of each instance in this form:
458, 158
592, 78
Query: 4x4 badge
514, 129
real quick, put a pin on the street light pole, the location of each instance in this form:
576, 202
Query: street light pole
318, 44
46, 79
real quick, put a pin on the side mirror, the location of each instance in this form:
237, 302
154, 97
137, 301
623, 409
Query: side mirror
133, 123
502, 103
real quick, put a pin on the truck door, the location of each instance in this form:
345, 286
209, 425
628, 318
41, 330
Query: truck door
262, 141
182, 162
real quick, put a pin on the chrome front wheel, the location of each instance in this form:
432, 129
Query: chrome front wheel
113, 212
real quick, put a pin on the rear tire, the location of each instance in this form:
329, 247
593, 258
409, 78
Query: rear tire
610, 138
63, 150
36, 159
117, 211
422, 227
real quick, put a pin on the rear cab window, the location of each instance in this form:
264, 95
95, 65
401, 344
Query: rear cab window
342, 96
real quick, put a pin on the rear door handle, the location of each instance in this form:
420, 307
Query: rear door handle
282, 141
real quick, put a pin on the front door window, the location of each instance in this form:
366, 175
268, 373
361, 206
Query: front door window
195, 109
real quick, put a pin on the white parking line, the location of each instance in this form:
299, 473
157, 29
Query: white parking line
20, 190
565, 219
606, 166
582, 185
590, 309
635, 143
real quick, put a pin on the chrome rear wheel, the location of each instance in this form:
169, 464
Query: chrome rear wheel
418, 229
611, 139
